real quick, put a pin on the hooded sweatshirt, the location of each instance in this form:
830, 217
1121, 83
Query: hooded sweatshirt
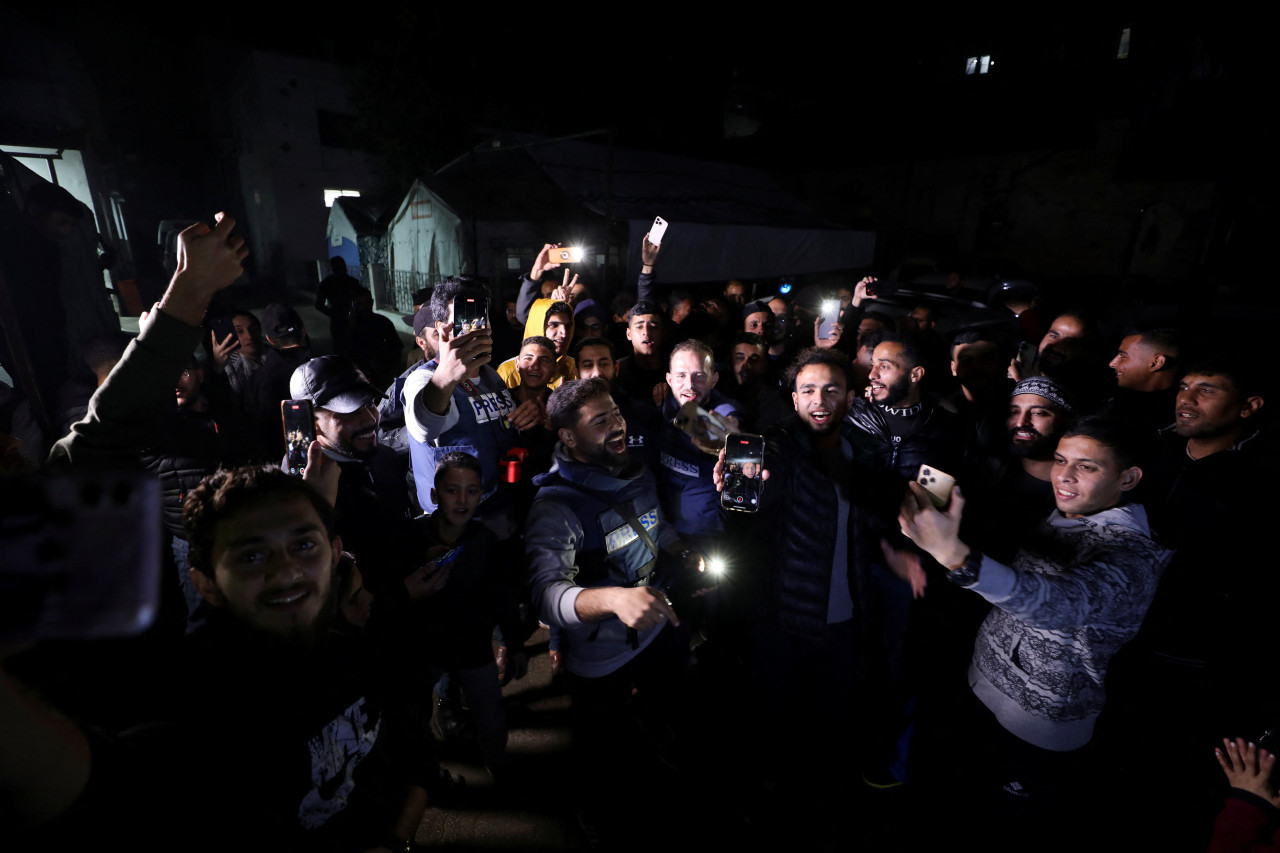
536, 326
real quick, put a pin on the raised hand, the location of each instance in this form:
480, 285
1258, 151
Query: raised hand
1248, 768
542, 263
222, 351
209, 259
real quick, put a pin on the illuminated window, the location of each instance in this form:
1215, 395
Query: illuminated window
978, 64
330, 195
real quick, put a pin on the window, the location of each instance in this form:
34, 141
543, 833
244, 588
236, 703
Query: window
330, 195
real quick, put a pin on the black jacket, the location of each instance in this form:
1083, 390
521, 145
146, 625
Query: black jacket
789, 545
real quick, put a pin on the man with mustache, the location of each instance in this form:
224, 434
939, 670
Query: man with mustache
372, 499
913, 430
1018, 494
596, 580
594, 537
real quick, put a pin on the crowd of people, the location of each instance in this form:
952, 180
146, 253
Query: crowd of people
1012, 573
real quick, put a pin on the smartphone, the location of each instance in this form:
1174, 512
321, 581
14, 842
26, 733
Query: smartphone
937, 483
448, 557
565, 255
882, 287
471, 313
830, 316
743, 465
659, 228
222, 325
299, 424
1026, 354
79, 556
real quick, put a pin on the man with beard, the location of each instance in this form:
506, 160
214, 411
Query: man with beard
372, 501
595, 539
803, 565
1017, 493
913, 431
644, 422
598, 581
278, 736
458, 402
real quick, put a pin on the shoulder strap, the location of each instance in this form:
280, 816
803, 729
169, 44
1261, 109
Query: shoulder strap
628, 515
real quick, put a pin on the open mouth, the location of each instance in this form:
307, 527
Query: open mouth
820, 417
1025, 435
289, 600
617, 442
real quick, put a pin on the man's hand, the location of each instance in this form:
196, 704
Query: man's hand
209, 259
643, 607
702, 439
661, 393
429, 579
934, 531
826, 343
516, 668
648, 252
222, 351
564, 291
860, 291
1015, 371
905, 565
528, 414
1248, 768
462, 355
457, 358
640, 607
322, 473
717, 473
542, 263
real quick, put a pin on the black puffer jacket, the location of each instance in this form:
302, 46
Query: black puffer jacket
790, 543
189, 446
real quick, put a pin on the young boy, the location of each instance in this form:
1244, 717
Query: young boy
556, 326
456, 624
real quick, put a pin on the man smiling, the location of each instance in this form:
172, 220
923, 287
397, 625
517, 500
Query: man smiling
371, 500
596, 580
689, 495
1075, 593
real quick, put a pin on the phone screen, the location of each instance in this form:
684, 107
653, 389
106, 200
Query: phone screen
743, 466
830, 316
469, 314
299, 431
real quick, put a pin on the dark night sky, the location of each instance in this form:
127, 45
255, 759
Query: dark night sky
827, 93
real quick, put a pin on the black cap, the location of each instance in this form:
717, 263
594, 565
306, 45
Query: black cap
757, 307
280, 321
422, 318
331, 382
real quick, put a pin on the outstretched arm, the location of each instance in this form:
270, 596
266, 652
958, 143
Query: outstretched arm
648, 257
125, 408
